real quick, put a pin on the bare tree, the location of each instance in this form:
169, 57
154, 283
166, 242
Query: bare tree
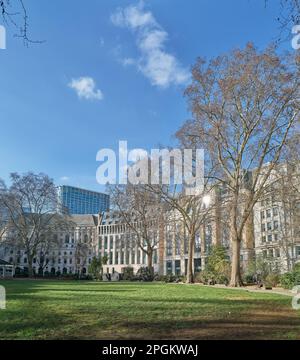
192, 211
142, 212
284, 193
288, 16
82, 249
34, 217
245, 106
3, 217
184, 200
14, 13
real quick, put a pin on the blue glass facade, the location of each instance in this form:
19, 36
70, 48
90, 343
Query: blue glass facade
80, 201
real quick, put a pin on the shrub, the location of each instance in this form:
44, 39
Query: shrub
290, 279
272, 280
158, 277
222, 279
217, 270
261, 269
144, 274
205, 277
170, 278
127, 273
217, 261
249, 278
287, 280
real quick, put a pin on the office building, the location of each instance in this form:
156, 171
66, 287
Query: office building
82, 202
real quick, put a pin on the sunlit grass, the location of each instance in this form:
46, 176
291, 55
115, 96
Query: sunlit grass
92, 310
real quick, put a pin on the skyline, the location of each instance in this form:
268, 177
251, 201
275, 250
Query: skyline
88, 87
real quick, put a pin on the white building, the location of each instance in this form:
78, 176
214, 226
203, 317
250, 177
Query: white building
77, 246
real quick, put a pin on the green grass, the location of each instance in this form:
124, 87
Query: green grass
90, 310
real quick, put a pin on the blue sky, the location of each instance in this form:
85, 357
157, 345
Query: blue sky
110, 70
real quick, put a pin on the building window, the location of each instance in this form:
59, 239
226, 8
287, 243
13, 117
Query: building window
197, 244
270, 237
197, 265
277, 252
263, 239
177, 267
169, 267
275, 211
262, 215
269, 226
268, 212
275, 225
270, 253
155, 256
263, 227
169, 245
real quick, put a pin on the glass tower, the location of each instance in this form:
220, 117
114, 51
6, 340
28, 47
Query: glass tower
80, 201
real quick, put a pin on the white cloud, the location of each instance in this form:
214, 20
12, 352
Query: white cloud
64, 179
85, 88
133, 17
155, 62
128, 61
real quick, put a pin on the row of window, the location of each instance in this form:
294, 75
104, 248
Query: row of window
180, 267
269, 238
53, 261
268, 213
129, 258
271, 253
52, 271
268, 226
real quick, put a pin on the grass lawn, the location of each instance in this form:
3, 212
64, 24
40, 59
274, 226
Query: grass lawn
90, 310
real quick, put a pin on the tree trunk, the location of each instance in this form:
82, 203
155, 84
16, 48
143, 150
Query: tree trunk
30, 268
236, 278
190, 269
150, 259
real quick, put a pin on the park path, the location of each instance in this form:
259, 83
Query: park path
279, 291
